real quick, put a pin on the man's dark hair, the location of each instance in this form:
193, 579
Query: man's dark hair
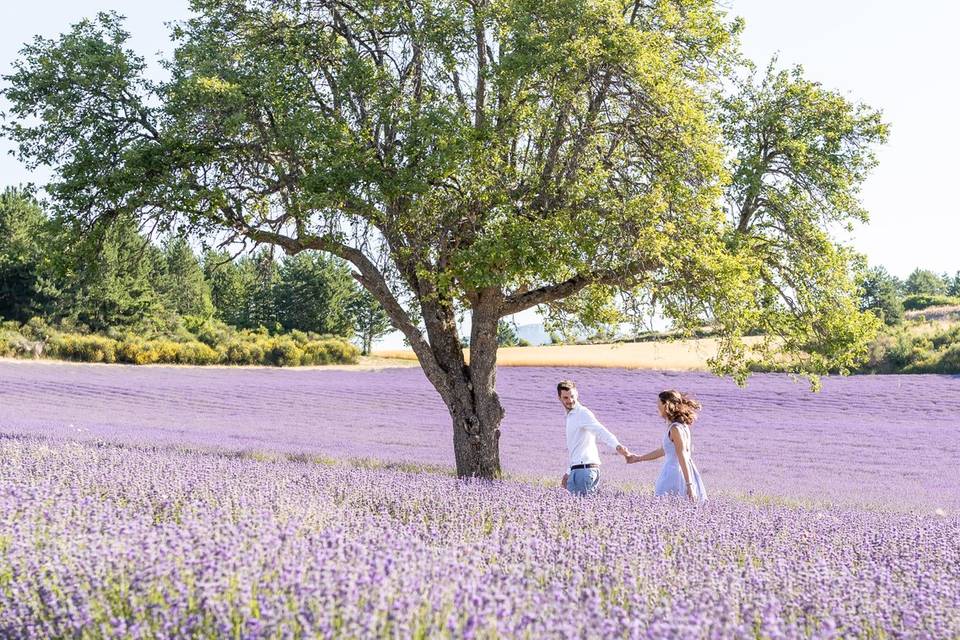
565, 385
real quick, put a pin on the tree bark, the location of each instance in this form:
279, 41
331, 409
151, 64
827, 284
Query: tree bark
476, 433
469, 390
477, 441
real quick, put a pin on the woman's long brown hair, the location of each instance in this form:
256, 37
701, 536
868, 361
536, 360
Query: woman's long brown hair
679, 407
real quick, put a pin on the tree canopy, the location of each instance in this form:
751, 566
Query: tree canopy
487, 156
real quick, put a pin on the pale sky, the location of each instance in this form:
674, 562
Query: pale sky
898, 57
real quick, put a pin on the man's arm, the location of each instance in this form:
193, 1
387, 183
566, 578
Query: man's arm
591, 424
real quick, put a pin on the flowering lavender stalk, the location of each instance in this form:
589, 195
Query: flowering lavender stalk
107, 541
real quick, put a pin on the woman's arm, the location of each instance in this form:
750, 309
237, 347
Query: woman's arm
677, 439
652, 455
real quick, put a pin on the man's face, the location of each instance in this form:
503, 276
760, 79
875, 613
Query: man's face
568, 398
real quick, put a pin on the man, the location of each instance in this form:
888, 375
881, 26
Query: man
583, 429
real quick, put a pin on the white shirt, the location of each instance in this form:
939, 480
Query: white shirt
583, 429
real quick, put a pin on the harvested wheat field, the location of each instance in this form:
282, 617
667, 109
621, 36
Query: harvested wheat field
672, 355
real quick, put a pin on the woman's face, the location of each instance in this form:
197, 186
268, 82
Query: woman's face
660, 409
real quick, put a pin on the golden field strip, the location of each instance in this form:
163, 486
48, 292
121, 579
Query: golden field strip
674, 355
668, 355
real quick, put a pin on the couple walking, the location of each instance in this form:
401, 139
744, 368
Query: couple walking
679, 476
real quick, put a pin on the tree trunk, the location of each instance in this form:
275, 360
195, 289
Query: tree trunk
476, 433
469, 391
484, 451
367, 343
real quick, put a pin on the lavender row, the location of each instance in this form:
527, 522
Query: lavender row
887, 442
106, 541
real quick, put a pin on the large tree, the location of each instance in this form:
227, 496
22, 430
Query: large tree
799, 155
481, 156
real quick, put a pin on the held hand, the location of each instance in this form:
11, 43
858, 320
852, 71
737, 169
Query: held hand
632, 458
622, 450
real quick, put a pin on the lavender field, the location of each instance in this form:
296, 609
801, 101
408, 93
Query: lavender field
258, 503
888, 442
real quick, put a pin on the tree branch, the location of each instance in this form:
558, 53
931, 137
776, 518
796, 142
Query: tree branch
372, 280
557, 291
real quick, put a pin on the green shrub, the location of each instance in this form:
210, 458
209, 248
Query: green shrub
136, 352
284, 352
212, 342
949, 361
925, 300
209, 331
330, 351
945, 361
340, 351
239, 351
300, 337
902, 351
315, 353
15, 345
946, 338
36, 328
84, 348
196, 353
166, 350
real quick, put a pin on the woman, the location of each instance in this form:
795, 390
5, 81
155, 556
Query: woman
679, 476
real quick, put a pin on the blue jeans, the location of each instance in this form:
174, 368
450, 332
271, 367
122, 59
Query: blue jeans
582, 482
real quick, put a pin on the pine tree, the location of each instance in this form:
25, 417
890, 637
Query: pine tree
880, 295
26, 285
181, 282
231, 284
370, 321
109, 279
925, 282
314, 293
954, 288
260, 305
